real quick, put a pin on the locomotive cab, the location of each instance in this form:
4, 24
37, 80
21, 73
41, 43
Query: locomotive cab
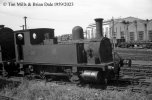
42, 37
31, 37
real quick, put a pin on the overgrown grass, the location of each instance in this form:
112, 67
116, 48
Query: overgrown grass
31, 90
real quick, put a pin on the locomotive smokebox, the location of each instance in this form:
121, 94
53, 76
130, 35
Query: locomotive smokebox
99, 50
77, 33
99, 31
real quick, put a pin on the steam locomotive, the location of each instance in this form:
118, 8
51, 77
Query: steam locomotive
37, 51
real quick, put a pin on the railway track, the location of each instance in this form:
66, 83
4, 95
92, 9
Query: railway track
137, 78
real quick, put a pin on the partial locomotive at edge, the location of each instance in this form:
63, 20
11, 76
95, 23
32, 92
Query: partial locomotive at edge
37, 51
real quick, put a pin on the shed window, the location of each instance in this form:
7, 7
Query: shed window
150, 35
141, 35
122, 35
132, 37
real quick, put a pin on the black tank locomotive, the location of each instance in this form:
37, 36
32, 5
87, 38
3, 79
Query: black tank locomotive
38, 52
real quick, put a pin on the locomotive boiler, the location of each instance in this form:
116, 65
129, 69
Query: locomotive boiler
38, 51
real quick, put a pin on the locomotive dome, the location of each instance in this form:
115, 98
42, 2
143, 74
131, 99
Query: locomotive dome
77, 33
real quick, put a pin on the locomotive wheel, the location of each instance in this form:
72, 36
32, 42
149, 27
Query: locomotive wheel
74, 79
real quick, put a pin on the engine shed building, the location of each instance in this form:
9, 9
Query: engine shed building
130, 29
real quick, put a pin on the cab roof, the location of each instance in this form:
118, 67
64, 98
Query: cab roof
34, 29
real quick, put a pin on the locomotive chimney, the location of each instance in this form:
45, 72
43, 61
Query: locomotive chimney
99, 31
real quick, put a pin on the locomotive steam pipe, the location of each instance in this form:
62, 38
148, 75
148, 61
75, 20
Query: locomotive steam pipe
99, 30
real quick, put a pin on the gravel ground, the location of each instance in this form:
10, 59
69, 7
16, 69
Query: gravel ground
40, 90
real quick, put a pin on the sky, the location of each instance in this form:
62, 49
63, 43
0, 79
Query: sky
64, 18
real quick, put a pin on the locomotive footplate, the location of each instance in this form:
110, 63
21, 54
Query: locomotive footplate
56, 74
102, 65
